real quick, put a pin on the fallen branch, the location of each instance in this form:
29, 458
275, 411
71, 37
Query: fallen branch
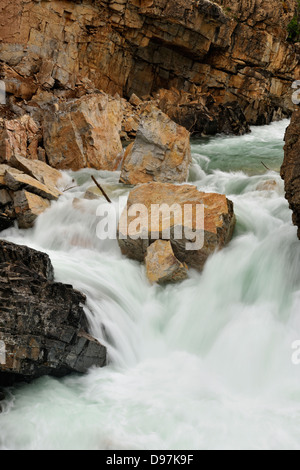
68, 189
101, 189
269, 169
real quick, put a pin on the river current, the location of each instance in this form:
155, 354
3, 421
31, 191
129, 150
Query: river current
206, 364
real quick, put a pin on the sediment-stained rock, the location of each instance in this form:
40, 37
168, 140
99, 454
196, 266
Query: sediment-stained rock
196, 223
42, 323
161, 151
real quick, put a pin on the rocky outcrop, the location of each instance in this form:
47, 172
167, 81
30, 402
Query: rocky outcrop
84, 133
27, 188
162, 266
42, 323
201, 114
231, 58
290, 170
19, 136
160, 152
196, 223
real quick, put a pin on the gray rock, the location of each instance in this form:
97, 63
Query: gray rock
42, 322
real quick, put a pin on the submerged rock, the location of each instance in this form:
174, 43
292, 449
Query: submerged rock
290, 170
196, 223
162, 266
161, 151
42, 322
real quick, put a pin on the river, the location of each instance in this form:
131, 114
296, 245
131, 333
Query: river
206, 364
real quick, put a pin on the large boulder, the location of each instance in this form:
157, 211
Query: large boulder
161, 151
290, 170
42, 323
196, 223
84, 133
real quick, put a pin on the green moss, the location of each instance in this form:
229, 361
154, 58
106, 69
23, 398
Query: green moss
294, 30
294, 26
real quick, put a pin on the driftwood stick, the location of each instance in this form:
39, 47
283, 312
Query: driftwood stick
101, 189
266, 166
68, 189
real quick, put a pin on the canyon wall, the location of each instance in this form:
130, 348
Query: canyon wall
290, 170
191, 55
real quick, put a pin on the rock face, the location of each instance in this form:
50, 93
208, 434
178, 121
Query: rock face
19, 137
42, 323
161, 151
84, 133
27, 188
201, 114
161, 264
231, 58
290, 170
196, 223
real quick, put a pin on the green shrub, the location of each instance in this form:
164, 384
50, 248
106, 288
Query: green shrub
294, 30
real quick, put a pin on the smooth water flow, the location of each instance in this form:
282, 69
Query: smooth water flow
206, 364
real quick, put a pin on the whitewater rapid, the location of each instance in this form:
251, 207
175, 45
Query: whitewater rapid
206, 364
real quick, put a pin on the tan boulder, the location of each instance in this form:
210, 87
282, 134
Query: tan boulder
3, 169
161, 264
28, 207
161, 151
39, 170
196, 223
84, 133
24, 196
17, 181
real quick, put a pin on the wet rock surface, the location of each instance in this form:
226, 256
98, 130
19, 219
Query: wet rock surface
42, 322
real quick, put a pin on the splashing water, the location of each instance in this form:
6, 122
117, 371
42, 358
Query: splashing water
201, 365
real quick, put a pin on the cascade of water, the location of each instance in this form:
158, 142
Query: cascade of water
203, 365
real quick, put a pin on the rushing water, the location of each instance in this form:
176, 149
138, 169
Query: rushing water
201, 365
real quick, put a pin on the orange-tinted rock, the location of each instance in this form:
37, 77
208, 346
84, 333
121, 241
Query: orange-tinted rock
161, 264
28, 207
161, 151
38, 170
84, 133
235, 49
17, 181
194, 235
18, 137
